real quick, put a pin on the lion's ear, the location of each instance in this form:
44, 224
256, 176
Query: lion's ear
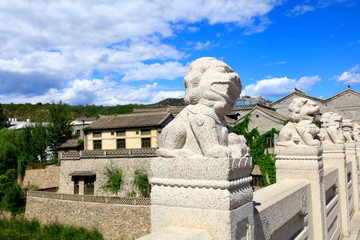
192, 96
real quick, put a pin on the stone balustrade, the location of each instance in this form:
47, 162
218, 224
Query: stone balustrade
141, 152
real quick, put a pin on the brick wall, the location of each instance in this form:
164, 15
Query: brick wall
114, 221
42, 178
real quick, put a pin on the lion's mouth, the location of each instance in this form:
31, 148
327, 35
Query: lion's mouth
227, 90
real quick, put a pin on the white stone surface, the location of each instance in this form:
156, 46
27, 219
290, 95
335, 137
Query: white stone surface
347, 126
283, 210
334, 156
178, 233
211, 90
301, 129
208, 193
331, 132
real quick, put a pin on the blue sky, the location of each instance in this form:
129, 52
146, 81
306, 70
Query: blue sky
119, 52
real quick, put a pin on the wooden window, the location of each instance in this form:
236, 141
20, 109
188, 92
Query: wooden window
97, 144
145, 131
146, 142
120, 143
89, 185
120, 133
97, 134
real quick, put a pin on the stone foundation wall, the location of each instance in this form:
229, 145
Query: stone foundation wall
42, 178
97, 166
112, 220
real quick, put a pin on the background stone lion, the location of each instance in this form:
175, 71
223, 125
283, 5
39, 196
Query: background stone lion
301, 129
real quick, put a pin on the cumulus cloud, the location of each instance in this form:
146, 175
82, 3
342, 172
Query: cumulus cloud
351, 76
275, 87
49, 44
168, 70
98, 92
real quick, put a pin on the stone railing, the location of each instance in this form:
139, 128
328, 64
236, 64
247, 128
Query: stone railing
90, 198
141, 152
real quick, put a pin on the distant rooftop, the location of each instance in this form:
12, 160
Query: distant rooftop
148, 119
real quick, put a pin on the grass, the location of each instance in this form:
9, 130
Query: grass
20, 228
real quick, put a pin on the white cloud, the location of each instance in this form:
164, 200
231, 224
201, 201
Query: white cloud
98, 92
201, 46
279, 86
351, 76
48, 44
168, 70
275, 63
193, 29
300, 10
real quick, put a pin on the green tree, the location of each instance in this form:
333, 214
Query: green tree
35, 142
10, 149
59, 128
3, 119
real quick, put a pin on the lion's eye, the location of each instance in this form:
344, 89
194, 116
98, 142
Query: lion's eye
221, 69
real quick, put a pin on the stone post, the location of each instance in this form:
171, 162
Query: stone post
305, 162
334, 155
350, 152
357, 148
213, 194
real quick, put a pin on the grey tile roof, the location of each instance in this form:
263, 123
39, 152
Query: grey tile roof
71, 143
82, 173
149, 119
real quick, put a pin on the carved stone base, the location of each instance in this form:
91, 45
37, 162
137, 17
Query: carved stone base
205, 193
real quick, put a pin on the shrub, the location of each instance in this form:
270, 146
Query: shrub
114, 178
141, 181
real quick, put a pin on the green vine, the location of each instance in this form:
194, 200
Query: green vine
114, 179
141, 181
259, 149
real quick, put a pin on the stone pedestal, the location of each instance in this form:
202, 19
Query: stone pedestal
350, 152
306, 163
334, 155
213, 194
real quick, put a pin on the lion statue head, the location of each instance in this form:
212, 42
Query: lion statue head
212, 83
302, 109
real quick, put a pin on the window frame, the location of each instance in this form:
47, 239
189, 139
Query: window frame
145, 141
97, 134
146, 131
95, 143
121, 133
120, 140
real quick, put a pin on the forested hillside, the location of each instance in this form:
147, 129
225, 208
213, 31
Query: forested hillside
40, 112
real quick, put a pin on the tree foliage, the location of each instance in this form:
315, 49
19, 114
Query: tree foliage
59, 128
259, 149
3, 118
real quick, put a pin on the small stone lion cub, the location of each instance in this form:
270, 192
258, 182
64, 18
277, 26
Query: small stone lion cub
211, 90
301, 129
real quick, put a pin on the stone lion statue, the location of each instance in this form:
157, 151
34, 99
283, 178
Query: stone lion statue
211, 90
331, 131
347, 126
356, 132
301, 129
